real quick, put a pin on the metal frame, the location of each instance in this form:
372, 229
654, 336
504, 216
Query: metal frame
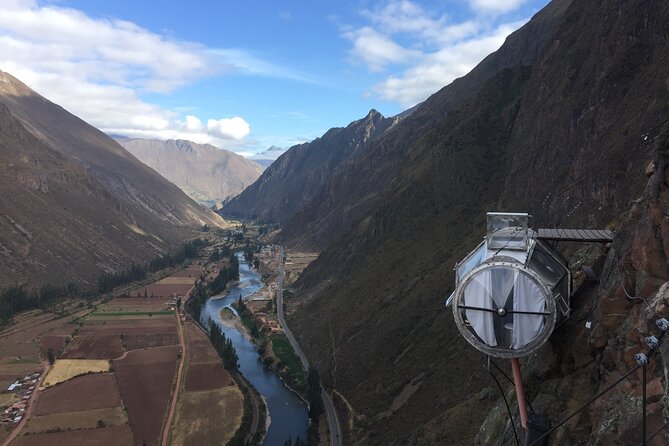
499, 352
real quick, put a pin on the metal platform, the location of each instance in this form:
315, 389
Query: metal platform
576, 235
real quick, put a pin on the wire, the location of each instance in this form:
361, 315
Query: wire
589, 402
657, 432
600, 394
508, 409
513, 236
622, 284
508, 379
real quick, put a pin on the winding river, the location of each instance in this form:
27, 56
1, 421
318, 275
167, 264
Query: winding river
287, 412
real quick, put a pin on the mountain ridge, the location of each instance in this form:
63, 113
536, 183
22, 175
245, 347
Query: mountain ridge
208, 174
97, 212
567, 138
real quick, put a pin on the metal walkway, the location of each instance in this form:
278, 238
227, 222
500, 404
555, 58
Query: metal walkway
576, 235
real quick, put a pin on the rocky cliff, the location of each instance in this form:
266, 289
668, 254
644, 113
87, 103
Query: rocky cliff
358, 187
566, 135
206, 173
73, 202
294, 179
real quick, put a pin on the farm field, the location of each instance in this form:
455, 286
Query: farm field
115, 435
114, 373
207, 377
207, 384
145, 380
86, 419
96, 391
216, 425
64, 369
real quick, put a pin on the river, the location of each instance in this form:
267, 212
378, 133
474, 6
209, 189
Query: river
287, 412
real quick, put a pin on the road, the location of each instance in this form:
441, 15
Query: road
330, 412
175, 394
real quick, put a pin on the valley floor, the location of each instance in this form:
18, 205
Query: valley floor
128, 370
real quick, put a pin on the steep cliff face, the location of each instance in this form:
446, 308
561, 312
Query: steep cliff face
73, 202
207, 174
568, 139
295, 177
357, 188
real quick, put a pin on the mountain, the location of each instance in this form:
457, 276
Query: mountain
561, 122
74, 203
264, 163
207, 174
293, 179
348, 190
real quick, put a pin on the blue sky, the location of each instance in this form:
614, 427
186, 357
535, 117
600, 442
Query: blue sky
246, 75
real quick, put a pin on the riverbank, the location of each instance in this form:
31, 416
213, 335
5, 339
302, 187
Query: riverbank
287, 413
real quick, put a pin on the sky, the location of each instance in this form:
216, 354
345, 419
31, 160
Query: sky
246, 76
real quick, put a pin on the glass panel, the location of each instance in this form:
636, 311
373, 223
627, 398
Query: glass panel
507, 230
474, 259
549, 269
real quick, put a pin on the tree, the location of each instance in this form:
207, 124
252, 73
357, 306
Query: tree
50, 357
178, 303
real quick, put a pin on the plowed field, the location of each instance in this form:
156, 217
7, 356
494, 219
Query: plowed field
207, 377
145, 380
96, 391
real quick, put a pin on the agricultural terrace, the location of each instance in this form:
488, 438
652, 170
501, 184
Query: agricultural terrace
295, 263
23, 351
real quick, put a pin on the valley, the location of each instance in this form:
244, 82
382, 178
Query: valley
384, 281
130, 367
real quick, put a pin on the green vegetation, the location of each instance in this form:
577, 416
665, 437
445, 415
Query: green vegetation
189, 250
225, 275
16, 299
223, 347
247, 318
288, 360
239, 439
315, 404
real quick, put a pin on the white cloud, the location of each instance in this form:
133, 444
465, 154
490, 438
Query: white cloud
229, 128
495, 6
377, 50
99, 68
440, 68
434, 49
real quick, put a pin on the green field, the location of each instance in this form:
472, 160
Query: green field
286, 355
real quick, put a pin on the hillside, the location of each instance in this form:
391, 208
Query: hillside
359, 187
207, 174
74, 203
565, 133
295, 177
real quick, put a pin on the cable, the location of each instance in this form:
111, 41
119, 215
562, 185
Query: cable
600, 394
657, 432
508, 409
590, 401
508, 378
513, 236
622, 284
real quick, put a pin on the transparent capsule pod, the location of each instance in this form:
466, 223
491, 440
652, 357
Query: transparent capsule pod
511, 291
